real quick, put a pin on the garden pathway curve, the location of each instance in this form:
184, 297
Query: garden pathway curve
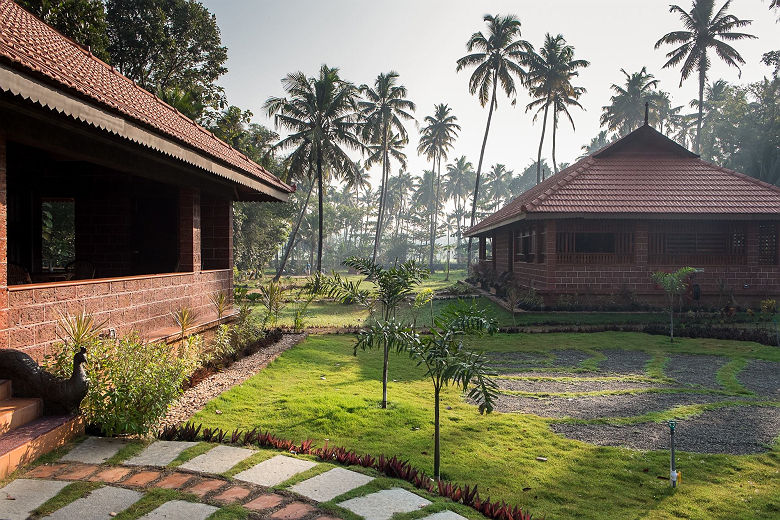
194, 481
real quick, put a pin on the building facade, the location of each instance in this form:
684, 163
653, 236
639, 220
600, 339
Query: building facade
642, 204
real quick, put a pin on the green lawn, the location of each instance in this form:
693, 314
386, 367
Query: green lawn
319, 390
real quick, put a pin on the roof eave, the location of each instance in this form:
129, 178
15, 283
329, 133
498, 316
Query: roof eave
27, 87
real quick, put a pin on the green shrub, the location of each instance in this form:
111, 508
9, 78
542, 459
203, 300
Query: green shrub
131, 382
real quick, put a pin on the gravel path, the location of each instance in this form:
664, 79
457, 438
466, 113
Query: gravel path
196, 397
523, 360
737, 430
624, 362
555, 387
761, 377
692, 369
591, 407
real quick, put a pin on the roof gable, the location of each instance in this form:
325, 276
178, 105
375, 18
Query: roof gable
645, 173
29, 45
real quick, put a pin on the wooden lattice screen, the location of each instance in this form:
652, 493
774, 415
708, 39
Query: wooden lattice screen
767, 243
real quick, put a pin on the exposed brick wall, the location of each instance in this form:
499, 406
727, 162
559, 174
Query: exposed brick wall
103, 231
748, 283
189, 230
502, 245
3, 244
138, 303
216, 233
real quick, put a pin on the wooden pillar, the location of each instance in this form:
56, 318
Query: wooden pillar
189, 230
4, 343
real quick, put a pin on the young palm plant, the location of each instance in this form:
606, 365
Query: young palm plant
220, 302
497, 58
184, 319
393, 286
445, 358
80, 330
703, 31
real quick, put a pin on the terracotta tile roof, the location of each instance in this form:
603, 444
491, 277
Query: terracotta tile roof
32, 46
644, 173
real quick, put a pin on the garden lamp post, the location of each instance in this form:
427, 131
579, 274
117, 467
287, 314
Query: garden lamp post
672, 466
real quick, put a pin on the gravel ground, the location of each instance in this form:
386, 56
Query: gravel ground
522, 360
692, 369
569, 358
196, 397
624, 362
761, 377
591, 407
737, 430
555, 387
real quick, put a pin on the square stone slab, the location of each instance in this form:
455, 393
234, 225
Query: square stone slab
98, 505
159, 453
274, 470
218, 459
384, 504
333, 483
94, 450
444, 515
181, 510
26, 495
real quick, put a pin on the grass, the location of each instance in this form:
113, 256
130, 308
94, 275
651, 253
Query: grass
498, 451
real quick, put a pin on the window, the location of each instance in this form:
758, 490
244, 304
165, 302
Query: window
767, 244
698, 243
524, 246
594, 242
58, 233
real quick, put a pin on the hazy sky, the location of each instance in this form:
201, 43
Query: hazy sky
422, 39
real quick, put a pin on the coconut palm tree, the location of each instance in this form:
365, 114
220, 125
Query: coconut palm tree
320, 113
626, 110
561, 102
384, 110
550, 72
497, 181
436, 139
703, 31
498, 59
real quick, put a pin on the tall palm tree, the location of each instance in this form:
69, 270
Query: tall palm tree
436, 140
497, 181
357, 179
457, 187
321, 113
497, 59
384, 110
550, 72
561, 102
703, 31
626, 109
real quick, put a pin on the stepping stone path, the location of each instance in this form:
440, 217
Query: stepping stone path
331, 484
382, 505
181, 510
218, 459
98, 505
94, 450
274, 470
22, 496
444, 515
159, 453
127, 483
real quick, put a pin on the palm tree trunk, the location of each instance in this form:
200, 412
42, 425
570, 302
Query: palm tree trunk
479, 166
436, 432
384, 376
294, 232
554, 131
382, 192
541, 142
321, 216
434, 212
702, 81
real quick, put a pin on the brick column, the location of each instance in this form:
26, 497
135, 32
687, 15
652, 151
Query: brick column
482, 248
216, 233
641, 242
3, 246
189, 230
550, 257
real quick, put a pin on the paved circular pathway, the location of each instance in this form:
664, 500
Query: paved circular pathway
272, 488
